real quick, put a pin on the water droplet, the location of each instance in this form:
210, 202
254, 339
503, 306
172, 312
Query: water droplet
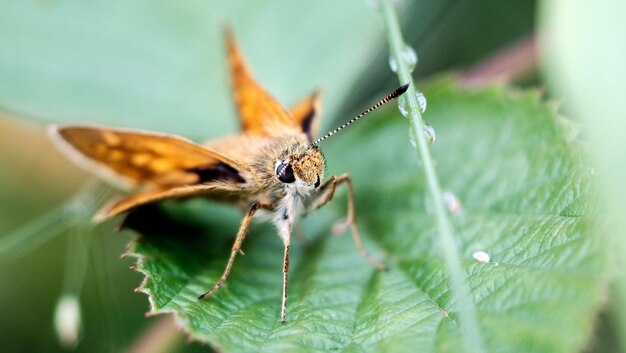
481, 256
453, 204
67, 320
403, 105
450, 201
421, 100
412, 137
393, 64
592, 171
430, 133
408, 55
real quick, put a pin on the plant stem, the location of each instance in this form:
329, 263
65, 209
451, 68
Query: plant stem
49, 225
32, 235
470, 331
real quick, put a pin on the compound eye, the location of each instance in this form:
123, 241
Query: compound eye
284, 172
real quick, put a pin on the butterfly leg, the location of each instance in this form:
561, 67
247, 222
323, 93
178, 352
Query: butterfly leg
241, 235
283, 311
325, 194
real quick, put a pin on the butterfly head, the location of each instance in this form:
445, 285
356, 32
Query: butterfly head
304, 167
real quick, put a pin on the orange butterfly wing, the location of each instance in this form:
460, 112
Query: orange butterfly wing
259, 112
306, 114
171, 166
214, 191
131, 157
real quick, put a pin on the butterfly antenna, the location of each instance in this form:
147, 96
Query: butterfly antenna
395, 94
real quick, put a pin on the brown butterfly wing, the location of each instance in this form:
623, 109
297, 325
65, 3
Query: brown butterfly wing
259, 112
216, 190
133, 158
306, 114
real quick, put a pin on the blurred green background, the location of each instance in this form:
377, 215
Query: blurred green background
159, 65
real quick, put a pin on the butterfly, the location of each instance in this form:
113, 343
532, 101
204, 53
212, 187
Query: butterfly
273, 167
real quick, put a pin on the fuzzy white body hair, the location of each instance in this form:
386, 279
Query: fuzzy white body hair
289, 208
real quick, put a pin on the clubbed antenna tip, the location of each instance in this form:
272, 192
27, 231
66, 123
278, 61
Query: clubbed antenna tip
393, 95
399, 91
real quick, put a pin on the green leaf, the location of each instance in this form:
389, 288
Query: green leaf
524, 193
594, 96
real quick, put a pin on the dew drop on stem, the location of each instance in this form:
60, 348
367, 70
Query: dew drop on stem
452, 202
408, 56
412, 137
393, 64
403, 103
430, 135
421, 100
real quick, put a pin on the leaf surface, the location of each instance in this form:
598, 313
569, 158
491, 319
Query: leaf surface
523, 195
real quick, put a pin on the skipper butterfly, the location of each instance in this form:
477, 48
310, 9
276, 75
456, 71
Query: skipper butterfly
273, 166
